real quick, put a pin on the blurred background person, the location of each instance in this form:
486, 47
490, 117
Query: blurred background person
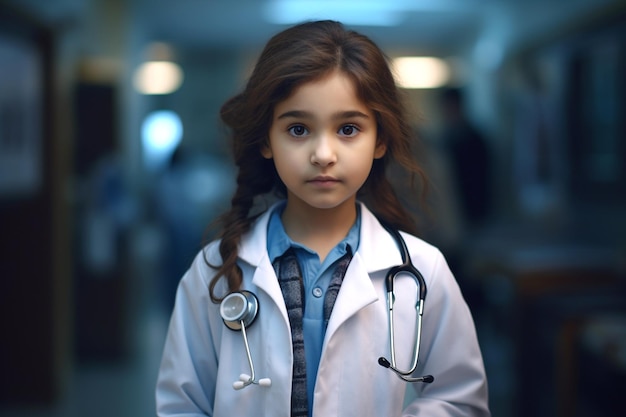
470, 159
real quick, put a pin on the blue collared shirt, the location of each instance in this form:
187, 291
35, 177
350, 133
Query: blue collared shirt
316, 278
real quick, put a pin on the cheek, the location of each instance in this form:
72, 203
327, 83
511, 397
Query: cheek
363, 159
365, 169
286, 163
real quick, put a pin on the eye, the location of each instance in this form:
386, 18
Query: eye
349, 130
297, 130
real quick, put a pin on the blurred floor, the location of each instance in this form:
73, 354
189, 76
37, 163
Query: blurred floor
115, 389
120, 387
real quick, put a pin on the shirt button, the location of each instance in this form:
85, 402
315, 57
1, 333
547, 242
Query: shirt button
317, 292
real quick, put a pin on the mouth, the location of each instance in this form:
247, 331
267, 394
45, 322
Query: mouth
323, 181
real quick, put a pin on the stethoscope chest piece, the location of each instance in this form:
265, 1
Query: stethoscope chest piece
238, 310
237, 307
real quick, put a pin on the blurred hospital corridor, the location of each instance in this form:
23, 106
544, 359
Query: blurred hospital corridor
110, 176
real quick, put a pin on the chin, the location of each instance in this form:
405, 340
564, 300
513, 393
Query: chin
329, 205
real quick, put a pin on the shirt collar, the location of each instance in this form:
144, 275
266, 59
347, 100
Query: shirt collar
278, 241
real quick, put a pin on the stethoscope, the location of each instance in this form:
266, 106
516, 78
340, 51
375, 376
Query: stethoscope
239, 310
406, 267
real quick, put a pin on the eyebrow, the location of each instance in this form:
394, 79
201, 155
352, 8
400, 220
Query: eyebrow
300, 114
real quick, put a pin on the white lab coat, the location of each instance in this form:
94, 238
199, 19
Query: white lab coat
202, 358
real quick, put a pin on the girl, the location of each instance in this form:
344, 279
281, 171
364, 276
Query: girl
318, 122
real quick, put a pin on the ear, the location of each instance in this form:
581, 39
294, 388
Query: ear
380, 151
266, 151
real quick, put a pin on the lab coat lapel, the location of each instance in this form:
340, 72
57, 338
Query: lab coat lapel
357, 291
253, 251
377, 252
265, 279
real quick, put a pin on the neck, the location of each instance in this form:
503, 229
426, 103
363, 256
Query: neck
319, 229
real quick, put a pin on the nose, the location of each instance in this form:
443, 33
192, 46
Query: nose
323, 152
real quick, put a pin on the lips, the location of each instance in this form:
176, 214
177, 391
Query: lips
324, 180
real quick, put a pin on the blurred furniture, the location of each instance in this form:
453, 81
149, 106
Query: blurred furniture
543, 297
601, 358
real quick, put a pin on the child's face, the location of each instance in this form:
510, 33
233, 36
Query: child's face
323, 142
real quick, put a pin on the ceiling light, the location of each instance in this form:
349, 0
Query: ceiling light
158, 77
359, 13
161, 133
420, 72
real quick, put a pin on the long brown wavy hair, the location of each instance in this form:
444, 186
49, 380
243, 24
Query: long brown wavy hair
298, 55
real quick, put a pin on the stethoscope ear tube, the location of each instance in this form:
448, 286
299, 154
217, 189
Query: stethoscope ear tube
406, 267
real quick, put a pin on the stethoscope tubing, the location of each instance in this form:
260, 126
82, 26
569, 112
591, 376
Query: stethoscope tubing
406, 267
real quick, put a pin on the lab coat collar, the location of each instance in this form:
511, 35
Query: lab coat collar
377, 251
377, 248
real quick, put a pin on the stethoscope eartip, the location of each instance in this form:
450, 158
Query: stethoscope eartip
265, 382
238, 385
383, 362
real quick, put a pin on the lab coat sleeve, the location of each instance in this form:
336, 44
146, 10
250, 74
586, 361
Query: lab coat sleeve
186, 379
450, 352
